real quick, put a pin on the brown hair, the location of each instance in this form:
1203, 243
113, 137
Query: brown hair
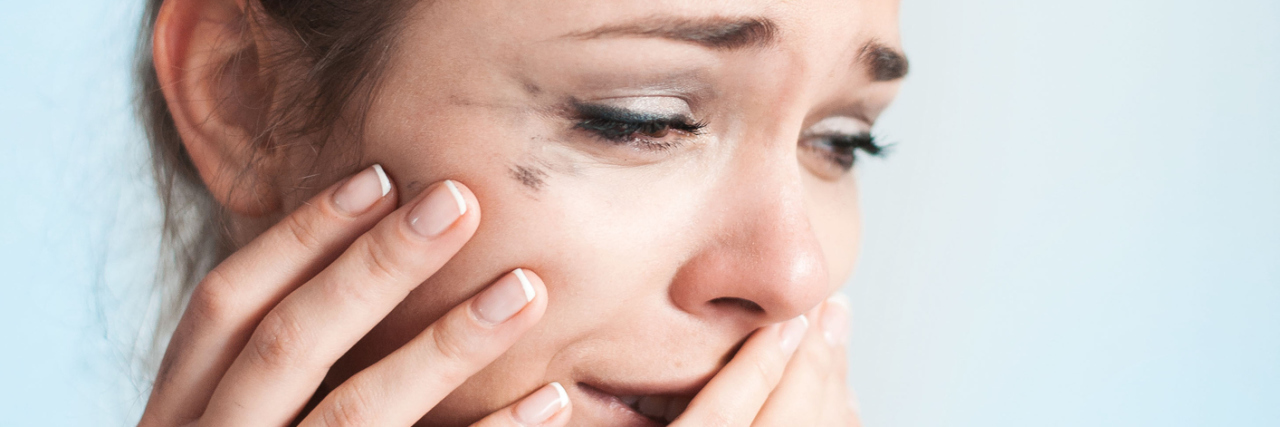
324, 61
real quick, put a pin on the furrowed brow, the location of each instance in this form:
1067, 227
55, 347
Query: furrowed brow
883, 62
712, 33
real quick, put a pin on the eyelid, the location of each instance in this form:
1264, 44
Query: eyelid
662, 106
836, 125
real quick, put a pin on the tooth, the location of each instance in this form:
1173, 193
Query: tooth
629, 400
676, 407
653, 406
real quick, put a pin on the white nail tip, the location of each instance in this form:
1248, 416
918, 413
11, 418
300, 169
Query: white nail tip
524, 283
457, 197
564, 397
841, 299
382, 179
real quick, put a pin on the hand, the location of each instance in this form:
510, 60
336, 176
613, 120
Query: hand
786, 374
263, 327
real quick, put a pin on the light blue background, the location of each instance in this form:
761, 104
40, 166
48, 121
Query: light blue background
1080, 224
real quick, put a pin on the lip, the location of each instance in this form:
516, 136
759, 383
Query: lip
618, 412
607, 395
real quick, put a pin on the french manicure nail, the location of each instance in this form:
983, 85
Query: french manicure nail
792, 333
541, 405
835, 320
504, 299
360, 192
439, 210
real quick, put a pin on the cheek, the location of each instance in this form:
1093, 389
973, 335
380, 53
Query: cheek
837, 222
589, 232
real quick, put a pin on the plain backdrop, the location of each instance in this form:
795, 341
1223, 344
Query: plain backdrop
1079, 223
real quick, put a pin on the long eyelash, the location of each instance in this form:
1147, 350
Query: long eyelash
866, 142
626, 126
843, 148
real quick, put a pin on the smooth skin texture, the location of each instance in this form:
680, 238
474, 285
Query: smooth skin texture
671, 271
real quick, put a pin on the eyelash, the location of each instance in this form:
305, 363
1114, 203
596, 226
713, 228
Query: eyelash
646, 131
843, 148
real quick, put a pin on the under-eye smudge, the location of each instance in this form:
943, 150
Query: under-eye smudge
532, 88
531, 177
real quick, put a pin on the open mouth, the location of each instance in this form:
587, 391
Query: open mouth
660, 409
663, 409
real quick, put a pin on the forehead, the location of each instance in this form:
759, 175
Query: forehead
819, 26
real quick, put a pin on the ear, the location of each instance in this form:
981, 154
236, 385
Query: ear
206, 59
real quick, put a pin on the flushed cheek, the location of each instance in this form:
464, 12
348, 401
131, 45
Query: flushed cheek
594, 261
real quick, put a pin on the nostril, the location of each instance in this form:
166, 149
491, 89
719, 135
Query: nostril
749, 306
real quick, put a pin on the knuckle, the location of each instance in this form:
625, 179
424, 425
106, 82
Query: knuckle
350, 408
301, 228
213, 299
380, 259
279, 343
453, 347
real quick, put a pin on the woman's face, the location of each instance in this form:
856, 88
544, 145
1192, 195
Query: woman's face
677, 172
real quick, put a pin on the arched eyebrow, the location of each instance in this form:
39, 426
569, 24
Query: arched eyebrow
883, 62
712, 33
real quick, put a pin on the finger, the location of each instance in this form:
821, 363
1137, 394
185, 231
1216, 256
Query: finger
841, 402
402, 387
297, 341
836, 330
800, 398
547, 407
736, 393
231, 300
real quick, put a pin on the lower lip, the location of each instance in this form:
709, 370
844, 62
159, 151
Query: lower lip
615, 409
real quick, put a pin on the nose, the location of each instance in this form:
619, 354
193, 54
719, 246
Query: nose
762, 263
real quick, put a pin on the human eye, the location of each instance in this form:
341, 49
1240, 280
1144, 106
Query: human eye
645, 123
837, 140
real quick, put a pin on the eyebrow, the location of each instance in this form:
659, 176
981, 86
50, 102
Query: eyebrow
883, 62
714, 33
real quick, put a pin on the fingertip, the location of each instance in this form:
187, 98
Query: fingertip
792, 333
383, 180
360, 192
463, 196
835, 321
544, 407
529, 292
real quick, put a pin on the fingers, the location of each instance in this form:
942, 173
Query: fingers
296, 342
735, 395
547, 407
227, 305
811, 391
402, 387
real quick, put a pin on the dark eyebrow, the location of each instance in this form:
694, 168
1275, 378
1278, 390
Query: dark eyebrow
883, 62
714, 33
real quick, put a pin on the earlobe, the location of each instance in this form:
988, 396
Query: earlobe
206, 60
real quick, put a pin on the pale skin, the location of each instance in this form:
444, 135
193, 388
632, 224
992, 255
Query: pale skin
680, 266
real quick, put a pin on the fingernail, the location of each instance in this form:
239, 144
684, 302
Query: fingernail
362, 191
439, 210
504, 299
792, 333
541, 405
835, 320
